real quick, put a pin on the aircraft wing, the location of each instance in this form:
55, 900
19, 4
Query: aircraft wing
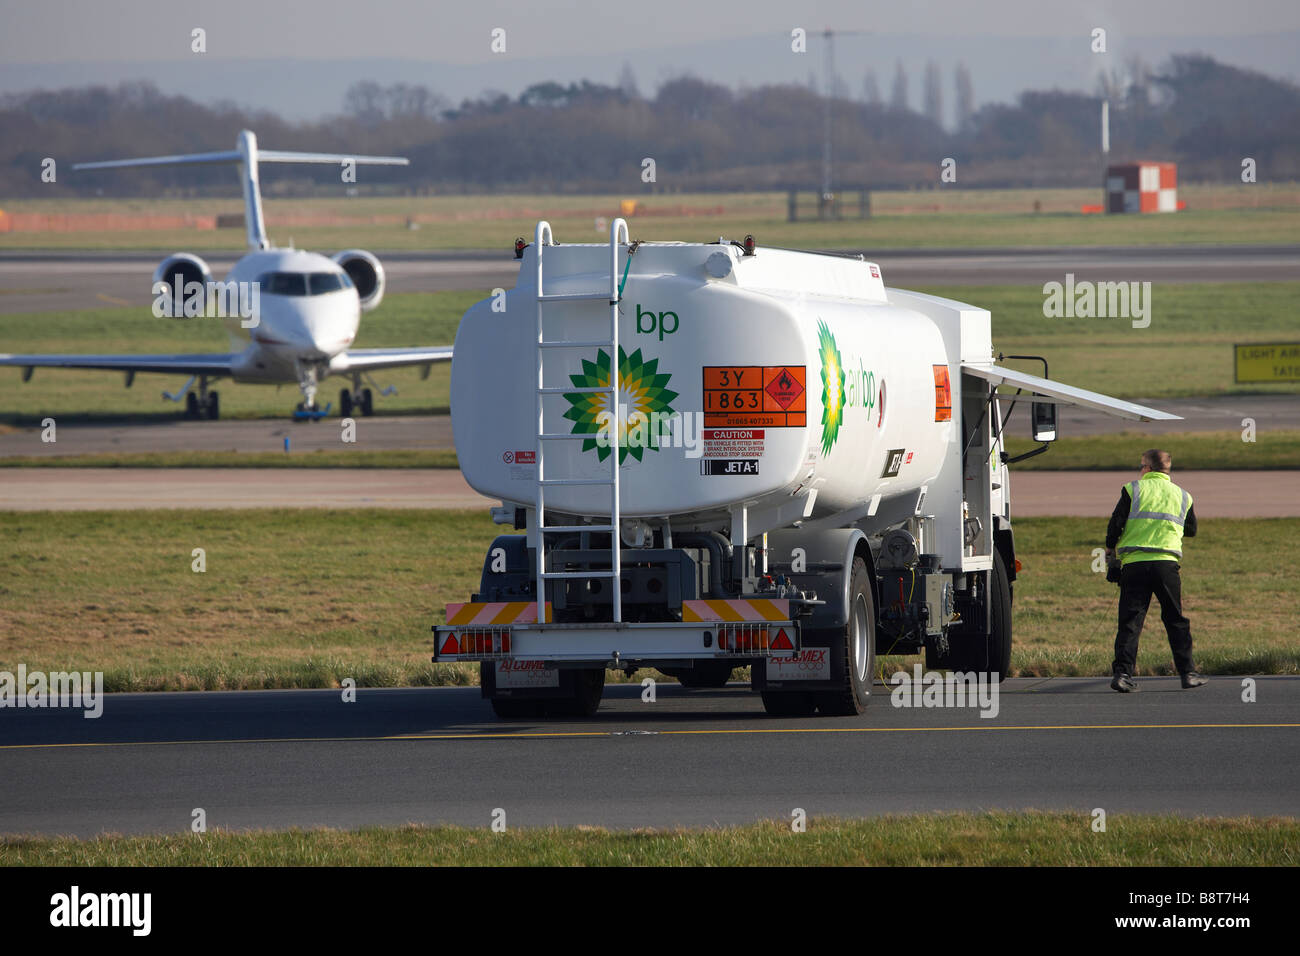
209, 363
364, 360
1067, 394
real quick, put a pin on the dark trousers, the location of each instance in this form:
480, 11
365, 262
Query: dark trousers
1137, 583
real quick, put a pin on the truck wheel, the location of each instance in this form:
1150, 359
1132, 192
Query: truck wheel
858, 650
987, 653
706, 674
793, 704
590, 688
999, 656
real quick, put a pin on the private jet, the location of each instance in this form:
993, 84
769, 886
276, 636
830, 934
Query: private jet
292, 315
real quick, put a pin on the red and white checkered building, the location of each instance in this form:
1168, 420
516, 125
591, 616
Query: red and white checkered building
1142, 187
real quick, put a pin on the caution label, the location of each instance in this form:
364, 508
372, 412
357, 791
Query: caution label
1271, 362
755, 396
733, 442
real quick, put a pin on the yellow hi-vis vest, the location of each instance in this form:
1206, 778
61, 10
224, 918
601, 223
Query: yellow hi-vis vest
1154, 528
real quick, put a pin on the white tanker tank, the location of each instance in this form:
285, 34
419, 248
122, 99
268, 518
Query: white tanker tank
794, 442
745, 386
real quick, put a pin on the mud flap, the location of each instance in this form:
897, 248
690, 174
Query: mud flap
812, 669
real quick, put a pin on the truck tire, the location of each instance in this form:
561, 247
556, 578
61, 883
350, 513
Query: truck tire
791, 704
990, 653
858, 650
589, 689
706, 675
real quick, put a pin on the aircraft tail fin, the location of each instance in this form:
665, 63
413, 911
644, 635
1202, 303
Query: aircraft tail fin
249, 156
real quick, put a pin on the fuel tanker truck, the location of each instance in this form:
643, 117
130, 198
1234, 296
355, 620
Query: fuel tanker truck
713, 455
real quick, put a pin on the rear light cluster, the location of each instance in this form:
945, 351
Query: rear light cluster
942, 394
753, 638
476, 643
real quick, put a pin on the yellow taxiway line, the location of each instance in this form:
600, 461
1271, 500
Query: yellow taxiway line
544, 735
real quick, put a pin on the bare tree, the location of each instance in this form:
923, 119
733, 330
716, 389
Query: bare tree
364, 100
965, 99
1139, 81
898, 95
933, 93
627, 82
870, 88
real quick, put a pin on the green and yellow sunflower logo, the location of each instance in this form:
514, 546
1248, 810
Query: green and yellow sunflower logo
832, 387
643, 405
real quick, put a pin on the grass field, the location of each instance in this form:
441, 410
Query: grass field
309, 598
942, 839
1187, 350
952, 216
1191, 450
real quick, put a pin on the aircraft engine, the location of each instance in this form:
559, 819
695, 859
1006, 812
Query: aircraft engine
366, 273
180, 286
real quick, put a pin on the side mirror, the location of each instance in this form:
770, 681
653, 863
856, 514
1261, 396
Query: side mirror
1043, 416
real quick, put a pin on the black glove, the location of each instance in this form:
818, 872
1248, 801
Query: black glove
1112, 570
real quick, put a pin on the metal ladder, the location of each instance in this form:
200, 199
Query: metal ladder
544, 238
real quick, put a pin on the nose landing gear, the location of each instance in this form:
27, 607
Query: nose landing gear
307, 409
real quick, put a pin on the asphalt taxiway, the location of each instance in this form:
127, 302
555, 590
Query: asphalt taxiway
1088, 494
692, 758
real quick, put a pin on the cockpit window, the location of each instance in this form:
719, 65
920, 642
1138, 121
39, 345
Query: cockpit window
321, 282
284, 283
299, 283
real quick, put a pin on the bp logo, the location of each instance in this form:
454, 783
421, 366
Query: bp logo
832, 387
644, 411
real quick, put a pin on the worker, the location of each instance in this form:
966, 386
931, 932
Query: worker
1146, 531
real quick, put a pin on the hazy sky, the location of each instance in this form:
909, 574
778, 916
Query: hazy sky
45, 31
299, 58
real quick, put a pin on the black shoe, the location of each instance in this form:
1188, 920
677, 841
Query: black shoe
1125, 684
1192, 679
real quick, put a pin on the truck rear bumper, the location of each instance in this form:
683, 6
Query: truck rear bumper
616, 645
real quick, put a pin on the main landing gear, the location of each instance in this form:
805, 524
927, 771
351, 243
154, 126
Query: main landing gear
206, 404
362, 400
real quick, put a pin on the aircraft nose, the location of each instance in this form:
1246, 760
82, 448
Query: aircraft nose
326, 332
